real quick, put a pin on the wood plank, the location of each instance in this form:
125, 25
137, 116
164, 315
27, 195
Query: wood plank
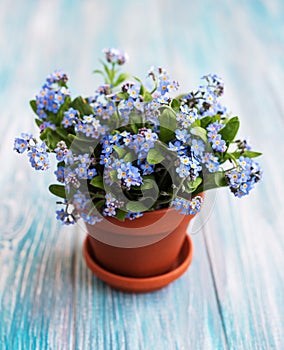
184, 315
245, 237
36, 266
36, 293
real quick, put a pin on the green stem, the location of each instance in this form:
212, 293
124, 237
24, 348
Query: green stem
180, 186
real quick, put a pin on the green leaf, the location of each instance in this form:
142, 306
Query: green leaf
149, 184
58, 190
120, 151
63, 109
98, 71
220, 179
204, 122
38, 122
195, 123
50, 137
168, 125
72, 137
191, 186
63, 133
123, 95
154, 156
129, 157
113, 175
97, 181
200, 132
135, 121
147, 97
33, 105
121, 78
120, 214
249, 154
81, 105
107, 70
142, 90
230, 130
214, 180
135, 207
139, 80
175, 104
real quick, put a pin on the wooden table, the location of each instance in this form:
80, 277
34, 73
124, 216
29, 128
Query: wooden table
232, 297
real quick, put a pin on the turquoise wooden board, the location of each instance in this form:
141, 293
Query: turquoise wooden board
232, 297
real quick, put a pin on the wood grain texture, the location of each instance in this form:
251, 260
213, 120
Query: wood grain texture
232, 297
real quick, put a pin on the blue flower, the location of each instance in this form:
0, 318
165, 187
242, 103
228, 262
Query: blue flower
60, 174
53, 94
132, 216
92, 173
129, 174
177, 146
110, 108
115, 56
182, 170
110, 199
215, 83
215, 127
60, 154
139, 105
84, 159
65, 217
211, 162
182, 135
111, 205
109, 211
198, 147
81, 172
80, 200
70, 117
47, 124
26, 136
218, 144
242, 179
114, 139
150, 136
38, 157
105, 159
20, 145
189, 166
187, 207
147, 168
234, 178
134, 90
57, 76
90, 219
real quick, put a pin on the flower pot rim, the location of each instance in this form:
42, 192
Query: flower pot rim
150, 213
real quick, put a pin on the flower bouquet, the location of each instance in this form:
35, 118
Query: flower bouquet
136, 149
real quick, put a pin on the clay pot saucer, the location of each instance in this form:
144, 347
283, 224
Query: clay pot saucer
138, 284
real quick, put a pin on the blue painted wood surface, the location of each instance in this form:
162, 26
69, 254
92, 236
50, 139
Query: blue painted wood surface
232, 297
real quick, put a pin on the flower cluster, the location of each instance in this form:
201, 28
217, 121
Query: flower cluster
188, 207
133, 147
242, 179
37, 152
115, 56
52, 95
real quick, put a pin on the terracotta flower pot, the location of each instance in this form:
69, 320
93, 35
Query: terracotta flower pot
146, 247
